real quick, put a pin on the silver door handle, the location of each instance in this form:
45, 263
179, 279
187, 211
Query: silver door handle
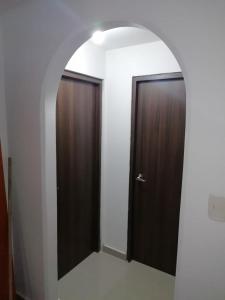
140, 178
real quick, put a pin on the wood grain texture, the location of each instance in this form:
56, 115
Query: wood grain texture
157, 152
78, 169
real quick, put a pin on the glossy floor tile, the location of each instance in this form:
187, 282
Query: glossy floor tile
105, 277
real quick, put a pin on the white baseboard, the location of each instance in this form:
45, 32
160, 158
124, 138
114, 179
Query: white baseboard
114, 252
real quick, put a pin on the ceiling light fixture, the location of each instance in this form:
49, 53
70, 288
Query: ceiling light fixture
98, 37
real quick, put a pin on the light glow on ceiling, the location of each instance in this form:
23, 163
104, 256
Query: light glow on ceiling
98, 37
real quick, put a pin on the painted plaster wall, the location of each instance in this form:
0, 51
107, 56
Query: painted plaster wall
38, 39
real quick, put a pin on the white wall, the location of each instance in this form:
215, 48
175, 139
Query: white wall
3, 116
38, 39
121, 65
89, 59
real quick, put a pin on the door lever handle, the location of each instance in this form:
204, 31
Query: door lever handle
140, 178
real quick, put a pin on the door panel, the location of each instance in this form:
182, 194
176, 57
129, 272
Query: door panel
78, 170
158, 156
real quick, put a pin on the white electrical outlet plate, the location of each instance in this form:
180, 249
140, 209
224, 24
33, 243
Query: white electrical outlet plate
216, 208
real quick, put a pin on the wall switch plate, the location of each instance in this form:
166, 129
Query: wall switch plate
216, 208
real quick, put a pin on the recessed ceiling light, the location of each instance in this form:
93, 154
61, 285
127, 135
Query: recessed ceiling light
98, 37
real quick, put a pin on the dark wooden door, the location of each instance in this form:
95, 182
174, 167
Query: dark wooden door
156, 169
78, 169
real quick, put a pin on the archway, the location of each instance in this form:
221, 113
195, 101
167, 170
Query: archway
49, 92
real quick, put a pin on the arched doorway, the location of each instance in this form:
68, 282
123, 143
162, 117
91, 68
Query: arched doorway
52, 107
38, 39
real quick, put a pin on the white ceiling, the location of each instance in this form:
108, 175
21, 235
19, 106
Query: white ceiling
127, 36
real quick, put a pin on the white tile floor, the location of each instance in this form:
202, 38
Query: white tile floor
105, 277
